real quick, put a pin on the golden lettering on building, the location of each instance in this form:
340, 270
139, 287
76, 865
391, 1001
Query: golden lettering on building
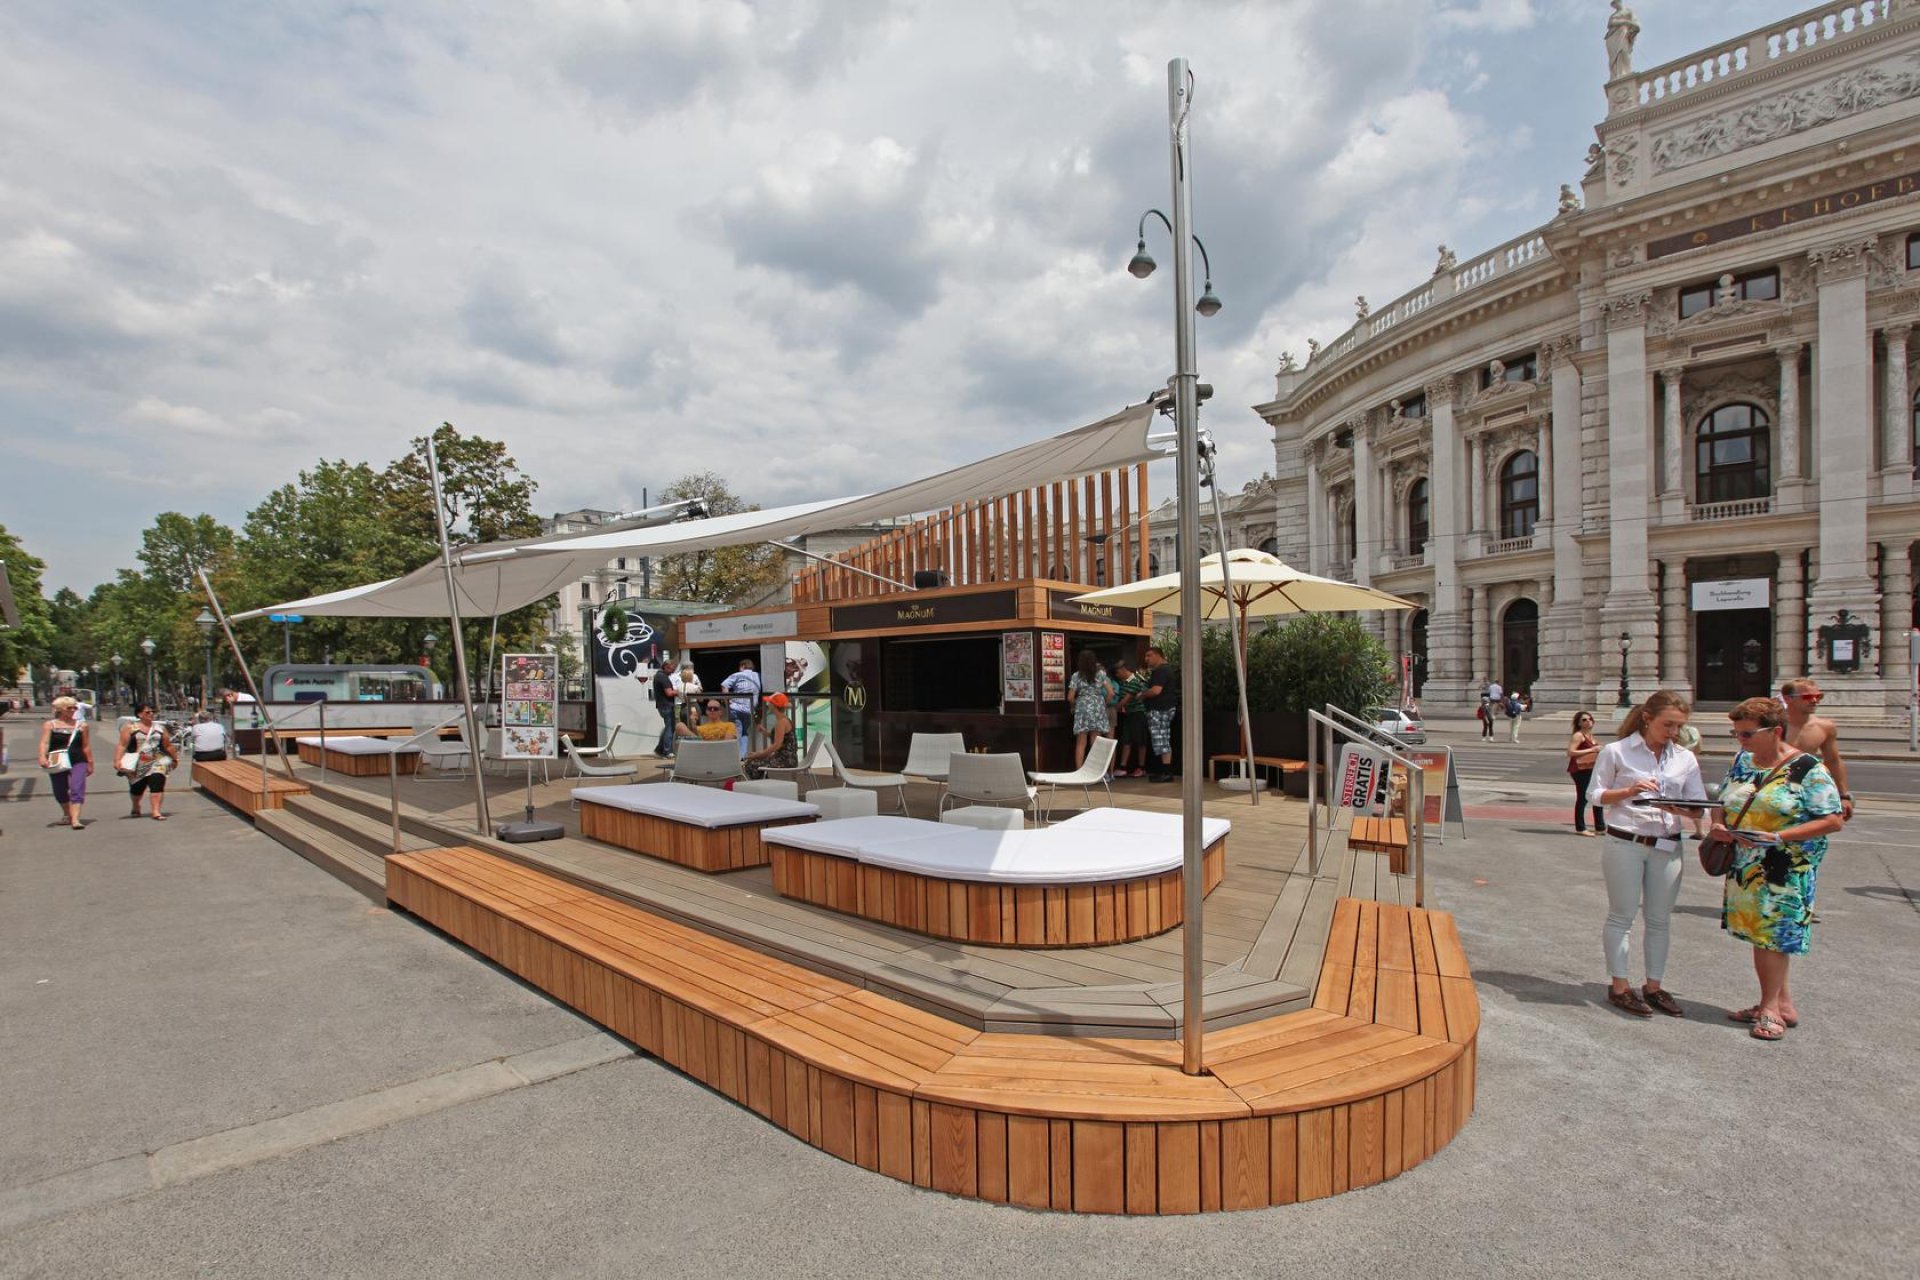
916, 613
1787, 215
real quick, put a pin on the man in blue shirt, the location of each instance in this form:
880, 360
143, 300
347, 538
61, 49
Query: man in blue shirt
745, 682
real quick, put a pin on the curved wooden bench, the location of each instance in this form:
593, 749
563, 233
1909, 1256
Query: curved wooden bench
991, 887
1375, 1078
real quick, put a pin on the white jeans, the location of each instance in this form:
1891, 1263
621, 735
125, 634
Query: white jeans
1640, 874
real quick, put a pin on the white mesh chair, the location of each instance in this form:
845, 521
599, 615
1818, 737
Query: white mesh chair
448, 758
626, 770
928, 753
867, 781
697, 761
577, 754
801, 774
997, 778
1093, 770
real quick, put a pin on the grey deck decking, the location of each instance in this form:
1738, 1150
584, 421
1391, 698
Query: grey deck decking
1266, 925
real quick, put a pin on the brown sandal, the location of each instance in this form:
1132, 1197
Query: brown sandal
1753, 1012
1768, 1027
1630, 1001
1665, 1003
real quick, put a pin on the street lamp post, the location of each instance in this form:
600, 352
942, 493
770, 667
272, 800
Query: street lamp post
207, 622
1185, 385
1626, 647
116, 660
426, 644
147, 647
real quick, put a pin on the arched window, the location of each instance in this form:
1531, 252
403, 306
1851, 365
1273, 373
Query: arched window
1352, 531
1519, 494
1153, 564
1271, 546
1731, 453
1417, 515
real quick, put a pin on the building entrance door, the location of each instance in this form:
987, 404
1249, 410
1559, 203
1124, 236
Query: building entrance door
1734, 654
1417, 649
1520, 646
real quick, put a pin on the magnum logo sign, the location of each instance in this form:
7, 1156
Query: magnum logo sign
891, 615
1061, 605
1787, 215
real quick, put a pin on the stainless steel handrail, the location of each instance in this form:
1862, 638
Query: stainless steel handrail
393, 769
1368, 736
266, 731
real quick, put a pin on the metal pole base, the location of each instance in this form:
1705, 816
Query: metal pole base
529, 831
1239, 782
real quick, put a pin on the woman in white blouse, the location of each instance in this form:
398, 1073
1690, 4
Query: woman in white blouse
1644, 853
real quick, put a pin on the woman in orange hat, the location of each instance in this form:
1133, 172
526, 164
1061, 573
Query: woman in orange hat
780, 751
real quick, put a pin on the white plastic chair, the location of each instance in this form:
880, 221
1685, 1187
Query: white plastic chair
801, 774
449, 758
867, 781
698, 761
577, 754
996, 778
625, 769
1094, 769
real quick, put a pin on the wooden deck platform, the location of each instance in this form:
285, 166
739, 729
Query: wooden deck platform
1373, 1079
237, 783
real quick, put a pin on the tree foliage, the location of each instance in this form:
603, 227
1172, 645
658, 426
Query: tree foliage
723, 576
1309, 661
31, 642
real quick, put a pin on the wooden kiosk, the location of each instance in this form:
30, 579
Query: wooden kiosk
988, 650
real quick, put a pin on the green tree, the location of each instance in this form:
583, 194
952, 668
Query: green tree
177, 547
723, 576
1311, 660
32, 641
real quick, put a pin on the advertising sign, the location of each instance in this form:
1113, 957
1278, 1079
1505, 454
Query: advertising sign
1361, 788
1734, 593
1440, 797
623, 641
529, 706
752, 626
1016, 666
1053, 666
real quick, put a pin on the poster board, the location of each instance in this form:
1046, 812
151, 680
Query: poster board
529, 706
1441, 788
1053, 666
1016, 666
1360, 786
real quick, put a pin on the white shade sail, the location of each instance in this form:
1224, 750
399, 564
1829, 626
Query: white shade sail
500, 577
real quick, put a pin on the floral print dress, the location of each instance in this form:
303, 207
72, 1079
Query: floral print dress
1769, 893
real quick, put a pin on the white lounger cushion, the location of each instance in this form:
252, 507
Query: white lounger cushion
1144, 823
358, 746
696, 806
1049, 855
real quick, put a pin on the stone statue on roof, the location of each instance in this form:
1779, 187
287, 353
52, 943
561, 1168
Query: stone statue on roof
1569, 202
1622, 31
1287, 363
1360, 307
1448, 262
1596, 160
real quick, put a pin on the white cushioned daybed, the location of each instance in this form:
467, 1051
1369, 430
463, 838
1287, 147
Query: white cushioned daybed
700, 827
358, 756
1109, 875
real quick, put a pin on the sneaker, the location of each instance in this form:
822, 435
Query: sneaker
1159, 777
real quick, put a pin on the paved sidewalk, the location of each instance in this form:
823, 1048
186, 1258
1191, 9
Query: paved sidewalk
192, 1012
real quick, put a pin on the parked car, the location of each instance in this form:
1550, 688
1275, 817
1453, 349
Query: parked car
1398, 725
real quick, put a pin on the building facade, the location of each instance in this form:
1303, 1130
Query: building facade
1668, 439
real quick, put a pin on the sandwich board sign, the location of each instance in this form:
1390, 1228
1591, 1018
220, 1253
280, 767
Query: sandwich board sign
1440, 783
1362, 785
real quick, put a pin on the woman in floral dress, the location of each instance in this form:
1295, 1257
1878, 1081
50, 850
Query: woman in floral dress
1089, 691
1769, 892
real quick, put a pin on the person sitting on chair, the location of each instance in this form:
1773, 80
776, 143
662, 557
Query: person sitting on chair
780, 751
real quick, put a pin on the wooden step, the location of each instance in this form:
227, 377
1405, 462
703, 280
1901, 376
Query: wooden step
374, 835
338, 856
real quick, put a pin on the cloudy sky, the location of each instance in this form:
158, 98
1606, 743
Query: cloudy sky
820, 246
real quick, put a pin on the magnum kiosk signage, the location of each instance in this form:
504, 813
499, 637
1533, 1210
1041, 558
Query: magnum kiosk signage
914, 610
1061, 604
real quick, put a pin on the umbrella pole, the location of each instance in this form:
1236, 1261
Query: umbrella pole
1238, 608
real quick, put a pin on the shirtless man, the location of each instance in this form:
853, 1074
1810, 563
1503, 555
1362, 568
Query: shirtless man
1816, 734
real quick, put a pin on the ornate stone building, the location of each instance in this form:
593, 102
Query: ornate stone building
1673, 429
1250, 517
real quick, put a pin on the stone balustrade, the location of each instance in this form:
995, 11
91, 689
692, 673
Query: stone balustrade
1729, 510
1815, 28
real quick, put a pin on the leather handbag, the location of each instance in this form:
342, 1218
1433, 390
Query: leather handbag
1716, 856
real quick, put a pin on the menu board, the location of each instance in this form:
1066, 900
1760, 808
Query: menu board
529, 706
1016, 666
1053, 666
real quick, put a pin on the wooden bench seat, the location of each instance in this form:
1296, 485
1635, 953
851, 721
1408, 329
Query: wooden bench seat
1372, 1080
1282, 765
237, 782
1382, 835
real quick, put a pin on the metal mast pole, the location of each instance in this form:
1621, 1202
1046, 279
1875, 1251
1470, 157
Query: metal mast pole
1186, 404
483, 821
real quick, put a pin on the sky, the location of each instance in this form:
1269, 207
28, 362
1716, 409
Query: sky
817, 246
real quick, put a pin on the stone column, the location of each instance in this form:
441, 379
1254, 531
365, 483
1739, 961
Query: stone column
1672, 471
1317, 532
1676, 668
1477, 666
1896, 448
1629, 605
1543, 467
1449, 674
1789, 638
1475, 485
1896, 609
1844, 394
1365, 543
1563, 648
1789, 356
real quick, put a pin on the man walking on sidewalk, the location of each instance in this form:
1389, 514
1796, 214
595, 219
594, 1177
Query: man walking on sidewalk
1816, 734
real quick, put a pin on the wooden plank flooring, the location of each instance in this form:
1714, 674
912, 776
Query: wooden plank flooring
1374, 1078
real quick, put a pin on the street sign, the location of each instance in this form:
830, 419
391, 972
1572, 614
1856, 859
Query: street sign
286, 617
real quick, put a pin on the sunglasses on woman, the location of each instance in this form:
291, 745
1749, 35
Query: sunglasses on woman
1748, 735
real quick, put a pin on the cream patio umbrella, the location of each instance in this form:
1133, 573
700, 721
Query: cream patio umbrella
1246, 583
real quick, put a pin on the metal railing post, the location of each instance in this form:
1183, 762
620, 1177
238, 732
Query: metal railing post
1313, 796
322, 704
393, 769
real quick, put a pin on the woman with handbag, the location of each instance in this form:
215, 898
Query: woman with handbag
1642, 857
1582, 750
1781, 804
67, 756
142, 744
